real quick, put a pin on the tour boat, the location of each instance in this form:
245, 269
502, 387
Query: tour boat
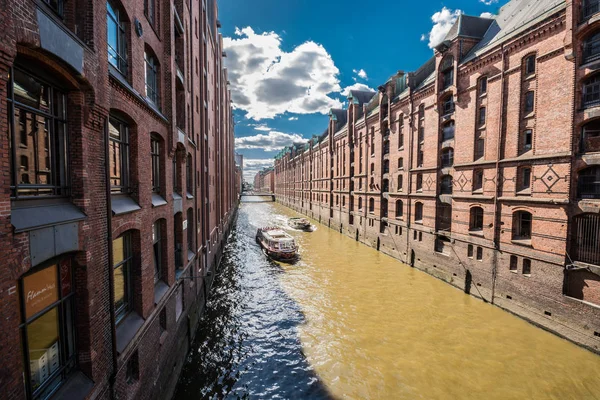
300, 223
277, 243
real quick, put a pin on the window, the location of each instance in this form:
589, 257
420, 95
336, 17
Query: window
448, 105
400, 163
447, 70
371, 205
386, 166
477, 180
476, 219
157, 254
372, 141
482, 112
526, 266
132, 373
422, 111
513, 263
419, 182
150, 11
483, 85
372, 168
591, 48
479, 145
590, 136
591, 91
530, 65
479, 256
524, 179
122, 253
522, 225
470, 251
360, 203
419, 213
152, 78
421, 134
117, 44
399, 210
446, 184
56, 6
38, 137
48, 326
448, 130
155, 154
189, 174
527, 140
590, 7
529, 102
588, 183
400, 182
447, 157
118, 156
191, 243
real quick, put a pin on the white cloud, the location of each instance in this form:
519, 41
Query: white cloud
267, 81
262, 127
293, 118
488, 2
271, 141
361, 73
252, 166
442, 22
356, 86
487, 15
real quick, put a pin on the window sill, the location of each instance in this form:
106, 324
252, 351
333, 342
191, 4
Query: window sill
419, 222
530, 115
514, 271
127, 329
530, 77
76, 387
189, 196
123, 204
478, 191
522, 242
158, 200
190, 255
478, 233
524, 192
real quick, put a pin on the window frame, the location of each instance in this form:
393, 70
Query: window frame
120, 53
124, 156
127, 263
67, 328
529, 102
58, 142
476, 216
482, 116
152, 78
419, 213
518, 230
156, 170
482, 87
157, 249
530, 65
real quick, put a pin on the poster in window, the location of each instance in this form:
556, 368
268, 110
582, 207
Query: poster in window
65, 276
40, 290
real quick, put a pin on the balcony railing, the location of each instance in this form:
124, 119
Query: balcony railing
586, 239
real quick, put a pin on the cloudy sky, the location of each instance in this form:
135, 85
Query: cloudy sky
290, 61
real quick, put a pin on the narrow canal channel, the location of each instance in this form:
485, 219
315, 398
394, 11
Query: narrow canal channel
349, 322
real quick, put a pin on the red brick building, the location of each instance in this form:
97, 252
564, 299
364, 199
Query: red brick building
481, 168
117, 190
264, 181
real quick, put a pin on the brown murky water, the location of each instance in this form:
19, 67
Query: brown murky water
372, 327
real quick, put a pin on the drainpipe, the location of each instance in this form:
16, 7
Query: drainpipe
111, 281
498, 155
411, 121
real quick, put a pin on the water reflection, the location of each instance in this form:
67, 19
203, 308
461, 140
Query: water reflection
349, 322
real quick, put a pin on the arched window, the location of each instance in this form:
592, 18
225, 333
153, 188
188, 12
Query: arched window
447, 157
400, 163
446, 184
591, 91
477, 180
448, 130
399, 209
116, 38
447, 72
522, 222
482, 87
476, 219
360, 203
400, 182
419, 213
591, 48
419, 182
588, 183
530, 66
371, 205
156, 164
590, 136
119, 155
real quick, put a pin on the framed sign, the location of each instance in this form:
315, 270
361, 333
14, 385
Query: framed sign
40, 290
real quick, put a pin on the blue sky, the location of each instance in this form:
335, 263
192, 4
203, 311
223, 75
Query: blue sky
290, 61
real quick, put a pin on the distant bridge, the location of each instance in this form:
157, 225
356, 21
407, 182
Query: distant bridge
257, 197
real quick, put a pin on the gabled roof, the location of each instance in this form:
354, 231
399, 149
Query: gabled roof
515, 17
361, 97
424, 73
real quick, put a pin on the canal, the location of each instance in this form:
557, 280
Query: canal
349, 322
